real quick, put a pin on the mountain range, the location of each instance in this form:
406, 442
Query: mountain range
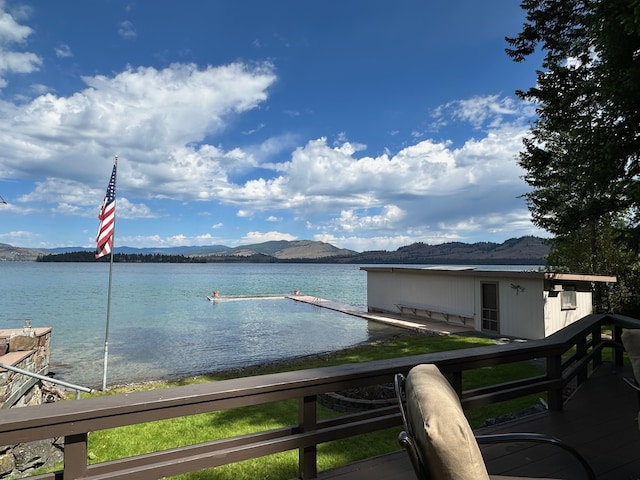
523, 250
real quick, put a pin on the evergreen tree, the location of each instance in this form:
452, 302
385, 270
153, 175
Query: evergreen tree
582, 156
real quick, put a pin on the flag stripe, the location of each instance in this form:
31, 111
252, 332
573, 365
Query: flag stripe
107, 218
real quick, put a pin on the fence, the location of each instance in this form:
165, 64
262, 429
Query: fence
568, 355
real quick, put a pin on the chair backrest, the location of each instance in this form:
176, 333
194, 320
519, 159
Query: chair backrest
631, 341
435, 426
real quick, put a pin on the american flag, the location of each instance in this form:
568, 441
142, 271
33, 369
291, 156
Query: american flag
107, 218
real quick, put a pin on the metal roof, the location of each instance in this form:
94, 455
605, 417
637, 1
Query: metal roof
475, 272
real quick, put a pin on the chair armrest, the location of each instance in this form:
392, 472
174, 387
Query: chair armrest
632, 383
399, 381
410, 446
537, 438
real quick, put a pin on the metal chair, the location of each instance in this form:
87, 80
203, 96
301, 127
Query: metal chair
631, 342
438, 437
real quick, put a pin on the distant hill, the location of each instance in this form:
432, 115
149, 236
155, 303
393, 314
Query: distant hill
285, 250
18, 254
201, 250
281, 250
524, 250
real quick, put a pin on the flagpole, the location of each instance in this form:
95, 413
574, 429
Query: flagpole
106, 333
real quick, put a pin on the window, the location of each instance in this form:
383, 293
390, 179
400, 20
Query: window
568, 298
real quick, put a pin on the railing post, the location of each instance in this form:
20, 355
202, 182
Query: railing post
554, 373
618, 355
596, 340
308, 421
75, 456
581, 352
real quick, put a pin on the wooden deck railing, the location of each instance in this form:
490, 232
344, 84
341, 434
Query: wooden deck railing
567, 353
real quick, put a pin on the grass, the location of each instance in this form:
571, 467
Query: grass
137, 439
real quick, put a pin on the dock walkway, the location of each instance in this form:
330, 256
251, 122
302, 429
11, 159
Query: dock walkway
410, 323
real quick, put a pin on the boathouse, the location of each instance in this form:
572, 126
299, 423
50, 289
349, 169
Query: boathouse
526, 305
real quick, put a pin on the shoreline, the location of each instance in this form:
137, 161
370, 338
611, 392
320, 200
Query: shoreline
263, 368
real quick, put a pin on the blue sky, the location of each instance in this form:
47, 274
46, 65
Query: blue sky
367, 124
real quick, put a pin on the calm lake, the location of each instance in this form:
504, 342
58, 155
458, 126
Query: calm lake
162, 325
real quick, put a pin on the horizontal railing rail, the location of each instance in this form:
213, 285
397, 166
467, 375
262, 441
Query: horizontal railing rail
45, 378
568, 355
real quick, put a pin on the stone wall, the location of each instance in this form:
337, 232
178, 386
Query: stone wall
28, 349
17, 461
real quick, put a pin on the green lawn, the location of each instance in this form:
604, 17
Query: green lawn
136, 439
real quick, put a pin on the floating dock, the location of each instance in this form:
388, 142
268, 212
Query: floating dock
227, 298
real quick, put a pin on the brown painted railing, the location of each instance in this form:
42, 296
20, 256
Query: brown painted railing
568, 355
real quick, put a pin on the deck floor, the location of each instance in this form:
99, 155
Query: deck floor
599, 420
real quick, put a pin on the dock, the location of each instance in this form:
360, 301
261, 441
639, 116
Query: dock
228, 298
410, 323
415, 324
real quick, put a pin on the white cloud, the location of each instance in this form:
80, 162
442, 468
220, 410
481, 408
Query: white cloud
73, 198
388, 243
490, 111
126, 30
152, 118
428, 188
63, 51
157, 241
19, 237
13, 34
260, 237
59, 190
16, 208
427, 191
39, 89
319, 177
10, 31
478, 110
389, 218
127, 209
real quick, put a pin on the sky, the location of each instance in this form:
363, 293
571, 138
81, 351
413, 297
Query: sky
366, 124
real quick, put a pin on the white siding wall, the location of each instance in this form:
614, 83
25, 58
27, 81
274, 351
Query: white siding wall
451, 293
521, 313
556, 318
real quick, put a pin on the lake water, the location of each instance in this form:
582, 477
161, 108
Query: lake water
162, 325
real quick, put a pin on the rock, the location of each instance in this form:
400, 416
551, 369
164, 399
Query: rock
6, 464
32, 454
21, 343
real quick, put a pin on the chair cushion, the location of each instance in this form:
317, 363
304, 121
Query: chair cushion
442, 433
631, 342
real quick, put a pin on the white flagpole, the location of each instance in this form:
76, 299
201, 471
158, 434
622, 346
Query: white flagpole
106, 334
